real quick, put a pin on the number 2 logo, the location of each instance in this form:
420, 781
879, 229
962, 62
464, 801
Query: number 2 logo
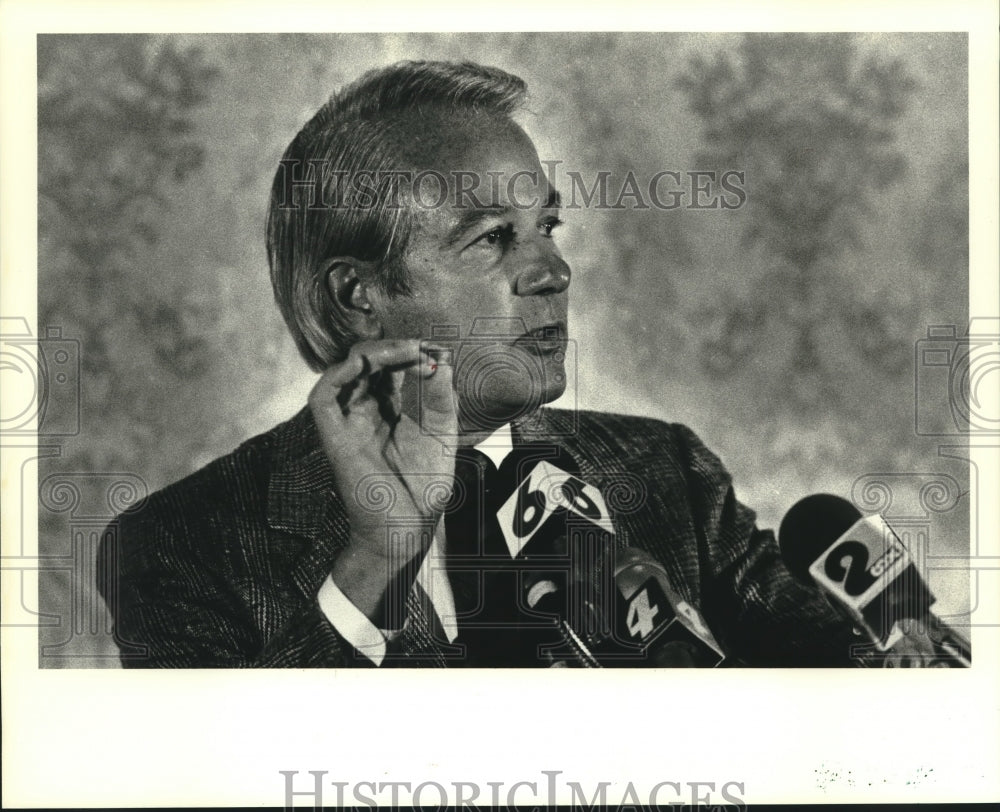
855, 576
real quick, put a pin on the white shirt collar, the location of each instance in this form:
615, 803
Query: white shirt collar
498, 445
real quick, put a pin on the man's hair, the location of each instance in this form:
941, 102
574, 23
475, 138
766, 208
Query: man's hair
361, 129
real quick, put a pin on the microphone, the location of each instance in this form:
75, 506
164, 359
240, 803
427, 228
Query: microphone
558, 528
549, 501
545, 596
867, 572
652, 624
535, 517
559, 534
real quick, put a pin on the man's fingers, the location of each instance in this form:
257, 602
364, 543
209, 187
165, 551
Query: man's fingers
369, 357
436, 408
369, 383
437, 394
348, 382
436, 384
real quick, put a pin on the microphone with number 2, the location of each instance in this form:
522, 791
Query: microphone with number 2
867, 572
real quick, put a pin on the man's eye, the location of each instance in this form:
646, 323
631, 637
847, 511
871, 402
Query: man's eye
501, 235
549, 226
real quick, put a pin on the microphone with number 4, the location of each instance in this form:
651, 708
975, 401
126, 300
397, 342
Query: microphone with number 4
867, 572
652, 623
613, 608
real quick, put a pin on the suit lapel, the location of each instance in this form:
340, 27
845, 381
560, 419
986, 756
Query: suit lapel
302, 502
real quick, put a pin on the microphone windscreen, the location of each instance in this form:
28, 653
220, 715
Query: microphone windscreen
810, 527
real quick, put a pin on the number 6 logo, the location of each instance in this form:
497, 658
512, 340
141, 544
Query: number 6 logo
529, 510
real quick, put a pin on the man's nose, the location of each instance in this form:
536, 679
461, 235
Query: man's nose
548, 273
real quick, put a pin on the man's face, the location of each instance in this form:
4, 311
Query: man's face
485, 270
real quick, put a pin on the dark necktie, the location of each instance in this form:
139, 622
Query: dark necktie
483, 577
487, 584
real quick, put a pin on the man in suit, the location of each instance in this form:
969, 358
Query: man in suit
407, 214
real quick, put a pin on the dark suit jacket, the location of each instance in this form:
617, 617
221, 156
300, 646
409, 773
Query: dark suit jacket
222, 568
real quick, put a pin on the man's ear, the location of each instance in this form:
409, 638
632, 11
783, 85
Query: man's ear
347, 284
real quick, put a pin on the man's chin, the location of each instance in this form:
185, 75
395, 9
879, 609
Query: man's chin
489, 412
555, 390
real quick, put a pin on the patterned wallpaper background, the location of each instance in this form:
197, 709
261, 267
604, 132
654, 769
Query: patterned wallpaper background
784, 332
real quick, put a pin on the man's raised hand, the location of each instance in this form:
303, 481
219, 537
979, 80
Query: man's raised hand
387, 419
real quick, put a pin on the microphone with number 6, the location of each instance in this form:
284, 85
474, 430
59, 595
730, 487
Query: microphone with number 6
550, 501
614, 608
867, 572
559, 535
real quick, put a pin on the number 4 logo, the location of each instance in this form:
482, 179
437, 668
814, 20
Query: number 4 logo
639, 619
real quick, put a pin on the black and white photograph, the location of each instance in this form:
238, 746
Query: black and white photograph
561, 408
357, 351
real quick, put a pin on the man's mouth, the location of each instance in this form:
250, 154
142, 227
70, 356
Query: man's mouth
544, 340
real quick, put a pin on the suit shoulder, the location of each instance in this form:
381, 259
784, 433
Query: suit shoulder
234, 482
644, 435
625, 422
646, 439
